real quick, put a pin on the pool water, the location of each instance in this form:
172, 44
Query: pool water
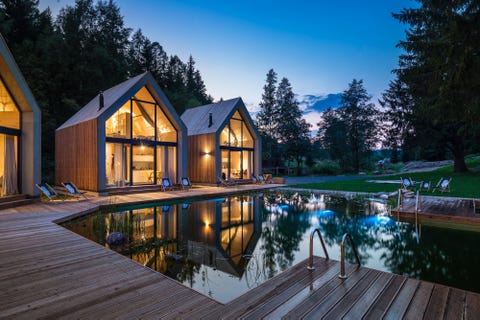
223, 247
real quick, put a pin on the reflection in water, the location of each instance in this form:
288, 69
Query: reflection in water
224, 247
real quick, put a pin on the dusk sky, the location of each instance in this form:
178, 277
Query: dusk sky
320, 46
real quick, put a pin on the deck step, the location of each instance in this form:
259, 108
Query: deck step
13, 201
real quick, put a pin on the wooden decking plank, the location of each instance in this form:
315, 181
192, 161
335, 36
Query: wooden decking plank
317, 296
363, 303
381, 304
56, 303
159, 304
284, 294
299, 297
173, 311
438, 302
339, 293
455, 305
115, 306
472, 305
200, 312
73, 257
399, 305
63, 283
263, 292
350, 298
419, 302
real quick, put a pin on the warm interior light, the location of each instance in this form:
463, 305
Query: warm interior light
207, 223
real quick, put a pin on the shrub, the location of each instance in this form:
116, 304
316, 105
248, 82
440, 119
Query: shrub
326, 167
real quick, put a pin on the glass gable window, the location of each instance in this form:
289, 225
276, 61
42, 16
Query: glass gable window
147, 137
9, 114
237, 146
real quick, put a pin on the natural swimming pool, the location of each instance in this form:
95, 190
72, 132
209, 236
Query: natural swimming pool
226, 246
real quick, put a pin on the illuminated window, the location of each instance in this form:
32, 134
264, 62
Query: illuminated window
9, 114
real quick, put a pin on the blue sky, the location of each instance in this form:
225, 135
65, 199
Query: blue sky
320, 46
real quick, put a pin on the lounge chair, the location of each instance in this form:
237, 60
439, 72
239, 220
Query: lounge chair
425, 186
263, 178
225, 182
73, 190
48, 191
186, 184
254, 179
167, 185
443, 185
407, 184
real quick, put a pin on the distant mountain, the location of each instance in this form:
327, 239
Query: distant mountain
310, 103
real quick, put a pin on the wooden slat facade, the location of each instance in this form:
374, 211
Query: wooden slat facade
76, 155
202, 166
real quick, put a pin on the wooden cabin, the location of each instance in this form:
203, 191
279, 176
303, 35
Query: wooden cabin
128, 135
20, 130
222, 142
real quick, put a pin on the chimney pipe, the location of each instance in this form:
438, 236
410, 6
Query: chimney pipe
210, 120
101, 101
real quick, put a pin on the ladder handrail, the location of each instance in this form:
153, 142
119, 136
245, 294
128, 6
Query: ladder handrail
310, 260
342, 274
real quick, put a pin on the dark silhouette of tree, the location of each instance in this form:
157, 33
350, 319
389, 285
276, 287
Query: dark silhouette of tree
349, 133
293, 131
441, 67
267, 121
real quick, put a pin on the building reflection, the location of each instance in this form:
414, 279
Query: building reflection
176, 239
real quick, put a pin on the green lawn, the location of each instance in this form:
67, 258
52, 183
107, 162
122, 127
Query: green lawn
465, 185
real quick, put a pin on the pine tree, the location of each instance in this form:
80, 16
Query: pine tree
398, 128
441, 66
293, 131
267, 116
360, 118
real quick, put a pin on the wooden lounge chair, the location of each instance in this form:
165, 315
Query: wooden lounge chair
73, 190
48, 191
443, 185
225, 182
407, 183
186, 184
263, 178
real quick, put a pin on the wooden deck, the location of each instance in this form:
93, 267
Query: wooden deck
440, 208
47, 271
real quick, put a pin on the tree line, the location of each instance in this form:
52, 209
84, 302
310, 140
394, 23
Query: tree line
68, 59
430, 111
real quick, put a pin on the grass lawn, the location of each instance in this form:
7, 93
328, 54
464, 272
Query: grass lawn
464, 185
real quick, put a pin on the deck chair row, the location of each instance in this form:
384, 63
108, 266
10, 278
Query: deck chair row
443, 184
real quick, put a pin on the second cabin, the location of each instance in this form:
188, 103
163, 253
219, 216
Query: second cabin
222, 142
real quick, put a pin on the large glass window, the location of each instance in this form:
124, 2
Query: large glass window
9, 114
9, 136
8, 165
237, 146
143, 130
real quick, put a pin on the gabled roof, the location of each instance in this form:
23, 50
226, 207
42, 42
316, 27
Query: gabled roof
116, 96
197, 119
15, 82
92, 109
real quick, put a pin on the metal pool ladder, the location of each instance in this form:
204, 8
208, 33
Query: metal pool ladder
342, 274
310, 259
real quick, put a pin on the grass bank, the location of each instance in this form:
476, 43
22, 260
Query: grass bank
463, 185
